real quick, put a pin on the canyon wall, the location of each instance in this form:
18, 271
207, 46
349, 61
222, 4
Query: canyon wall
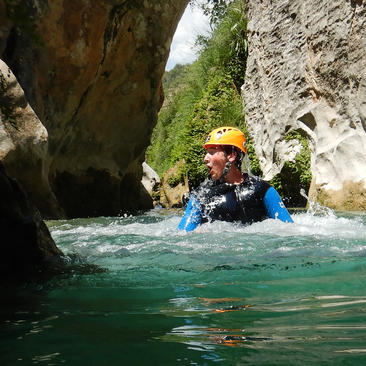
89, 75
306, 72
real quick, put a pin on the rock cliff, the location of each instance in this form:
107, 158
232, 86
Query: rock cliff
306, 72
91, 72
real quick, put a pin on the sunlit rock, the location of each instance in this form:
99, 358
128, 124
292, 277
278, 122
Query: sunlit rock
307, 71
151, 181
24, 143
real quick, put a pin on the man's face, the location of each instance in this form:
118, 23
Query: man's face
215, 161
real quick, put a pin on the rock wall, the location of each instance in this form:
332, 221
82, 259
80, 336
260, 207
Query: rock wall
91, 71
24, 142
27, 248
306, 71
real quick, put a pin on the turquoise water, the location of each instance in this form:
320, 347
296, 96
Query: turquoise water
267, 294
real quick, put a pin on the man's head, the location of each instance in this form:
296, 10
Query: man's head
224, 146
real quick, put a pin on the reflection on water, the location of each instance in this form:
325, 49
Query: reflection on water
269, 293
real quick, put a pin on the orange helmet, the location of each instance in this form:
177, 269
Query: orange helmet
226, 136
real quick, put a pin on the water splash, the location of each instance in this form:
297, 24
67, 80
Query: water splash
153, 238
316, 208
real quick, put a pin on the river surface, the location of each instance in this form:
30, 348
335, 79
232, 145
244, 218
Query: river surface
267, 294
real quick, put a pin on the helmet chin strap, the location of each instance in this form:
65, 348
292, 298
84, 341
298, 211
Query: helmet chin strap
225, 171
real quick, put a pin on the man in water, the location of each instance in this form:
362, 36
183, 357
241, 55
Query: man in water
231, 195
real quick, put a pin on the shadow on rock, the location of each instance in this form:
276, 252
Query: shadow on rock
28, 252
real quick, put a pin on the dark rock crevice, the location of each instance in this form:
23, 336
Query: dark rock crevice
27, 247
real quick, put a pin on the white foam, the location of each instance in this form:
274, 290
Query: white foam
308, 235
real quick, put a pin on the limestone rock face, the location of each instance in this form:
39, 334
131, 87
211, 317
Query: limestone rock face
151, 181
24, 142
306, 71
91, 71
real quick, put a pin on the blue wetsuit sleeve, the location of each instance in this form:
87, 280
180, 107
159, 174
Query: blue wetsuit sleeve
275, 207
192, 216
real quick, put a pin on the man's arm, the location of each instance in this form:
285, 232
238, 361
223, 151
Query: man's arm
275, 207
192, 216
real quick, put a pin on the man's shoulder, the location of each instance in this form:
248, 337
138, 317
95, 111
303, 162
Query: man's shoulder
209, 188
206, 183
255, 183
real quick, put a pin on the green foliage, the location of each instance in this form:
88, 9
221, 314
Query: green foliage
174, 79
215, 9
174, 180
295, 174
219, 105
301, 166
203, 96
165, 148
227, 47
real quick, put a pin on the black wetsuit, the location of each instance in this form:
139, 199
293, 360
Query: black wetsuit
230, 202
250, 201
